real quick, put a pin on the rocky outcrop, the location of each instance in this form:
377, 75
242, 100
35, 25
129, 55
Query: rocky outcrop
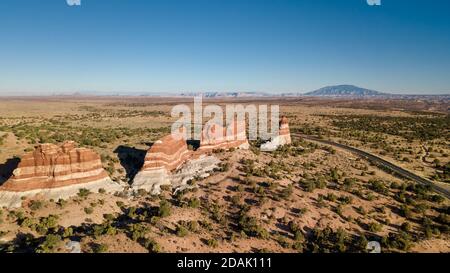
217, 137
283, 137
200, 167
284, 131
55, 172
166, 155
169, 162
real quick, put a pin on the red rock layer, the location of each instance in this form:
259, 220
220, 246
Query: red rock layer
51, 166
284, 130
169, 152
215, 137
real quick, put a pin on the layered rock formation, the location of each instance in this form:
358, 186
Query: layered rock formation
283, 138
217, 137
55, 172
284, 131
169, 162
166, 155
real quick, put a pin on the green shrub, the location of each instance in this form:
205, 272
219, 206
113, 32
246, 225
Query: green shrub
36, 205
164, 208
83, 193
100, 248
181, 231
88, 210
212, 243
152, 246
49, 244
194, 202
61, 203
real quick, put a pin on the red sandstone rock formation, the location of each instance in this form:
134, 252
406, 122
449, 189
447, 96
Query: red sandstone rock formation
218, 137
284, 132
283, 138
169, 153
166, 155
51, 166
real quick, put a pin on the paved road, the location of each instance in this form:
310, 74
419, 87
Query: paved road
388, 165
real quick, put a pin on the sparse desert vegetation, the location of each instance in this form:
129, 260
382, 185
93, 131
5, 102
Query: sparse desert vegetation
305, 197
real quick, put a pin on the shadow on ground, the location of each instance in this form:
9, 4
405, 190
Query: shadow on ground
6, 169
131, 159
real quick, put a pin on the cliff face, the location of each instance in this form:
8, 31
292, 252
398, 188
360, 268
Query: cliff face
53, 171
51, 166
167, 153
217, 137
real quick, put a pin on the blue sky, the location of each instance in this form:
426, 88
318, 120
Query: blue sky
137, 46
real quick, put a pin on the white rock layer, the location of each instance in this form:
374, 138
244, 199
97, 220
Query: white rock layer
11, 199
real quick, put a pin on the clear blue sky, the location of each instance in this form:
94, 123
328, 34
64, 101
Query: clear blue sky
136, 46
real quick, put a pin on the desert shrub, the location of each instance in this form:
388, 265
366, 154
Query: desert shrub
68, 232
224, 167
120, 204
374, 227
349, 183
361, 243
192, 226
405, 211
109, 217
138, 231
406, 227
331, 197
49, 243
206, 225
401, 241
151, 245
250, 226
283, 241
61, 203
100, 248
194, 202
164, 208
36, 205
345, 200
361, 210
212, 243
287, 192
309, 185
378, 186
89, 210
236, 199
46, 223
181, 231
83, 193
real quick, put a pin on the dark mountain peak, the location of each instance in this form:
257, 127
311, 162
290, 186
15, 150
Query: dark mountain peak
345, 90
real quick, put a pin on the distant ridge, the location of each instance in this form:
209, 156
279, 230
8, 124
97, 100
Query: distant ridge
227, 94
345, 91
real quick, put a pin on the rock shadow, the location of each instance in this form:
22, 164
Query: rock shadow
7, 169
193, 144
131, 159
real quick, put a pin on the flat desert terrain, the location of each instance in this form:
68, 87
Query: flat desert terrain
304, 197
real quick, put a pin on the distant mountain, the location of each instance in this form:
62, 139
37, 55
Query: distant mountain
345, 91
226, 94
